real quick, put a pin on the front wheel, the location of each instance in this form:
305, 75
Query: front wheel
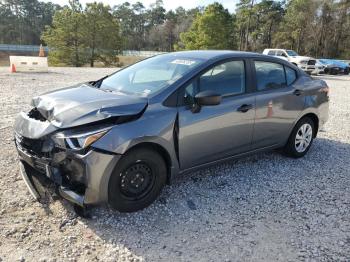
301, 138
137, 180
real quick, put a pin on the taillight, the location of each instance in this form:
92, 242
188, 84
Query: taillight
325, 90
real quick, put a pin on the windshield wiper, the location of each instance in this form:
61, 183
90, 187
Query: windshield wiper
98, 83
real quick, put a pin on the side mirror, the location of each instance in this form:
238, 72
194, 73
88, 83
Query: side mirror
208, 98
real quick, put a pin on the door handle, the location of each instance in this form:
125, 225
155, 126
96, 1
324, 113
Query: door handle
244, 108
297, 92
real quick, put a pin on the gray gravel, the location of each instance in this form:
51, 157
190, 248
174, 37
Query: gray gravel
260, 208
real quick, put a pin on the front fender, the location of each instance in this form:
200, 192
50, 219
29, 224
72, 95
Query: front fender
155, 126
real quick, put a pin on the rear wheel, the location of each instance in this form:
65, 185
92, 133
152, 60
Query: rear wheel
334, 71
301, 138
137, 180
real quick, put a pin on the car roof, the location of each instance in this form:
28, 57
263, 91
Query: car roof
333, 61
274, 49
209, 56
214, 54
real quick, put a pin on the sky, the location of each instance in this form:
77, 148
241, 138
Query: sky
168, 4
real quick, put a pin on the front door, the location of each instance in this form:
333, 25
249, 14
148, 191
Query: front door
219, 131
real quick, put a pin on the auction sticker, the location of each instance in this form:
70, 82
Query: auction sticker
183, 62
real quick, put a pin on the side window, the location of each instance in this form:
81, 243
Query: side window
225, 79
291, 75
269, 75
281, 53
271, 53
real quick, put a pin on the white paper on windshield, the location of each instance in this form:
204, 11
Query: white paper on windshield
183, 62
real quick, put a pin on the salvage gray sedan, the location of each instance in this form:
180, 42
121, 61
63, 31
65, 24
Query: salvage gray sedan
121, 139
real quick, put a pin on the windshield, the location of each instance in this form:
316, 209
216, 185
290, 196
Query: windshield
150, 75
292, 53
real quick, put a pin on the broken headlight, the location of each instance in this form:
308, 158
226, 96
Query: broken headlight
80, 140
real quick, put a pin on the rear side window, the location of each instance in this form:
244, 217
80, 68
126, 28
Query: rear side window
291, 75
271, 52
269, 75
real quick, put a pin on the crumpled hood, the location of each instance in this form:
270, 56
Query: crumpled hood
83, 104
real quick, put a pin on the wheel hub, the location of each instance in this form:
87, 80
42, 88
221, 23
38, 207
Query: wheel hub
303, 138
136, 180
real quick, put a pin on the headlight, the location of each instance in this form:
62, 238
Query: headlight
79, 140
303, 62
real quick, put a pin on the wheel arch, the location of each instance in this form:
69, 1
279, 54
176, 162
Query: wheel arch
314, 117
162, 152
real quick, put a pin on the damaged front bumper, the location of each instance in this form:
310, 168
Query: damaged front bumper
79, 178
55, 141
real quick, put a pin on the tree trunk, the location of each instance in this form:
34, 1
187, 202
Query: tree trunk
299, 39
247, 33
93, 45
339, 33
269, 38
92, 60
241, 35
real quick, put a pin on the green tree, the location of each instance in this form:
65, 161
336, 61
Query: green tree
125, 16
243, 22
21, 21
66, 36
341, 47
156, 14
101, 33
265, 20
325, 21
297, 25
78, 36
133, 21
212, 29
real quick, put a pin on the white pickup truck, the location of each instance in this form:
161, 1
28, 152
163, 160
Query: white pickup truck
306, 63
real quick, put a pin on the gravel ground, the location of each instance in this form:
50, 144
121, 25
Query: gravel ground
260, 208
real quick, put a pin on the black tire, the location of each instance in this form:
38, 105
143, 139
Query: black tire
123, 194
291, 148
334, 72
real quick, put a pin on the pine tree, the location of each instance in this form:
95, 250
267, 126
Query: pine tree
212, 29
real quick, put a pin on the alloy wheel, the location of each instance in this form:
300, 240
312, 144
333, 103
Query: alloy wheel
303, 138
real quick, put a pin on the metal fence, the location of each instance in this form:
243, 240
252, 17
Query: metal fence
141, 53
35, 48
21, 48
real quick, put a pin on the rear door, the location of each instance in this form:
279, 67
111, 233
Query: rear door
279, 102
219, 131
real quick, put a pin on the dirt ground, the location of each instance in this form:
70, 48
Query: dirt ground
265, 207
